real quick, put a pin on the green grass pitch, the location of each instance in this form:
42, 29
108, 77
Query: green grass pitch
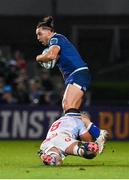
19, 160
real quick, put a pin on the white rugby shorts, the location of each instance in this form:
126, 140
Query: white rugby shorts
61, 141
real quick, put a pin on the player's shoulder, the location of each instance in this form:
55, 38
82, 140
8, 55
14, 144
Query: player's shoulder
57, 39
59, 36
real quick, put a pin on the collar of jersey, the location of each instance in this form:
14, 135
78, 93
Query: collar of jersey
73, 114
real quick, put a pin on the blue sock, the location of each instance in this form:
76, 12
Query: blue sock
94, 131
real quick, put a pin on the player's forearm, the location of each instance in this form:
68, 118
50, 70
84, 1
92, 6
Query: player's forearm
43, 58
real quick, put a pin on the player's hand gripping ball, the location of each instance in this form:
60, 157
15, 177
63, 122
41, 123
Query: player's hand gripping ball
49, 64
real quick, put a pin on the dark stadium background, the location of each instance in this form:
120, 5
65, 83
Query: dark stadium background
99, 29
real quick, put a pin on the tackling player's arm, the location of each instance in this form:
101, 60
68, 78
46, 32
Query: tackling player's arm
52, 54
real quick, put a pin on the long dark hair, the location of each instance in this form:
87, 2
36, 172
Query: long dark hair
47, 23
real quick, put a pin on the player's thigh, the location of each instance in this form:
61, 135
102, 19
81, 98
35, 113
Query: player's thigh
63, 141
73, 96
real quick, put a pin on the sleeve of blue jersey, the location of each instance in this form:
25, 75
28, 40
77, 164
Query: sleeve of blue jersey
54, 41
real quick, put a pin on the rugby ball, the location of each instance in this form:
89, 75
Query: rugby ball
49, 64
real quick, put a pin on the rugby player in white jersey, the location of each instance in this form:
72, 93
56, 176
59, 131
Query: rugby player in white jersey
67, 136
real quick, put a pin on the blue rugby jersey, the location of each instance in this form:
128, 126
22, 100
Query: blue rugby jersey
69, 58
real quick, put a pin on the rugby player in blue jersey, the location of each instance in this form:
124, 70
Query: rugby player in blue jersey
74, 70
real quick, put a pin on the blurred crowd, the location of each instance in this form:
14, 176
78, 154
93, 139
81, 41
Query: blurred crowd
17, 87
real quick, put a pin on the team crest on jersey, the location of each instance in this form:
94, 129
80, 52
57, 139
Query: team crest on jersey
53, 41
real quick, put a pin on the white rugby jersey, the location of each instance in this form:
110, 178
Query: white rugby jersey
73, 126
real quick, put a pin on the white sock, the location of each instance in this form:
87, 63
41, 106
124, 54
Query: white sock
77, 151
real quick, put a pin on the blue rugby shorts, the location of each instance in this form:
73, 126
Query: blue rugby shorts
81, 79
